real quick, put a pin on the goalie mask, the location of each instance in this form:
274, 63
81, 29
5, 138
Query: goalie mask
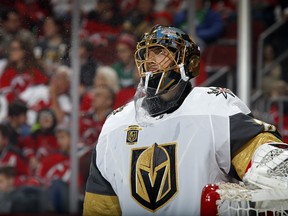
166, 58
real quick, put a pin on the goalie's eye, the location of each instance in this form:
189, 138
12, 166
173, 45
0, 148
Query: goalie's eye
156, 50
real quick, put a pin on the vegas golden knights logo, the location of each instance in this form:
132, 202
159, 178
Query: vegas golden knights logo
132, 134
154, 175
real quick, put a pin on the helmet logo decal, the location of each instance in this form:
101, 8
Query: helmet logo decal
154, 175
168, 31
223, 91
132, 134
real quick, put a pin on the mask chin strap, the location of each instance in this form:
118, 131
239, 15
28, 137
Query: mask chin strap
147, 76
182, 72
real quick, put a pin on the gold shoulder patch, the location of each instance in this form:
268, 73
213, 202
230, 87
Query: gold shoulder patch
244, 155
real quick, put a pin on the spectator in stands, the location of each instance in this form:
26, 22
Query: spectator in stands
274, 74
125, 65
102, 22
103, 98
42, 140
21, 71
59, 93
55, 96
226, 8
52, 47
55, 169
107, 76
10, 156
11, 28
16, 122
280, 89
92, 121
88, 68
88, 63
7, 178
209, 23
140, 19
279, 114
16, 198
32, 12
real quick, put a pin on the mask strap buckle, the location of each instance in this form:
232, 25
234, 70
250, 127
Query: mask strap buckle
147, 76
182, 72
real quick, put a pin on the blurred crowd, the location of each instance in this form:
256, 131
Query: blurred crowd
36, 73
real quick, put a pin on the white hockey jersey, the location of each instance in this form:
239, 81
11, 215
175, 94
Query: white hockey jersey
161, 169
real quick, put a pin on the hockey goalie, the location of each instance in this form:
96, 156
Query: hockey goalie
155, 154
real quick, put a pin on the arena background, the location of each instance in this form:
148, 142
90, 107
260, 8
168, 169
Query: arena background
235, 59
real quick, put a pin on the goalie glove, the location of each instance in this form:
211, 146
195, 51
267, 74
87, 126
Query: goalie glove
269, 168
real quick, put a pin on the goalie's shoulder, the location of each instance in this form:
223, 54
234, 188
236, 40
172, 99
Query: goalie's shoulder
120, 115
218, 100
218, 93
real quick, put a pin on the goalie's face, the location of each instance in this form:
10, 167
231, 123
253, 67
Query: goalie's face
159, 60
155, 64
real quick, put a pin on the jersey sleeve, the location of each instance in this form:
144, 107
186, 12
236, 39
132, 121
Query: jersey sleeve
246, 135
100, 198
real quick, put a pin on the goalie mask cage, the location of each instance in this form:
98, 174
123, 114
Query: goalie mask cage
237, 199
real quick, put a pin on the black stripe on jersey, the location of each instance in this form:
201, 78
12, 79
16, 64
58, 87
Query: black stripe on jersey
96, 183
242, 129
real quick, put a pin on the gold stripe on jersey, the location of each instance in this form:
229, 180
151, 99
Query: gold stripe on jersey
102, 205
244, 155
